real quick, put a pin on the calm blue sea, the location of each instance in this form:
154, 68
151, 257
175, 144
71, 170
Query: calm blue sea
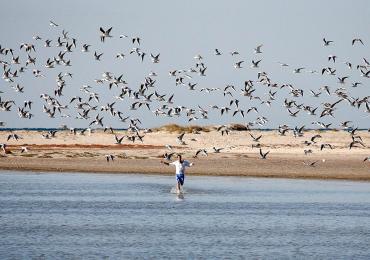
105, 216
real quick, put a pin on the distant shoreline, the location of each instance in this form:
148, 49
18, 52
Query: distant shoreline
163, 126
239, 156
282, 166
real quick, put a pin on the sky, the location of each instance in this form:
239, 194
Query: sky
290, 31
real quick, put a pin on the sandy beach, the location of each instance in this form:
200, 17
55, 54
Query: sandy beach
86, 153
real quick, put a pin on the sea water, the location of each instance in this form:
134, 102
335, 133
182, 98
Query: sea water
105, 216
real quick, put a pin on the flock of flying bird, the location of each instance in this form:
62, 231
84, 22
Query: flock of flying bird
88, 107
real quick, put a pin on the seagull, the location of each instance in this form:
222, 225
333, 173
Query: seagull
47, 43
332, 57
120, 55
256, 145
217, 52
354, 143
167, 156
326, 88
283, 64
53, 24
202, 71
311, 164
105, 33
326, 145
238, 65
348, 64
108, 128
366, 62
192, 86
98, 121
153, 74
357, 40
314, 94
136, 39
328, 70
179, 138
109, 157
85, 48
49, 64
263, 155
356, 84
155, 59
345, 124
97, 56
256, 139
258, 49
367, 159
315, 137
118, 140
341, 80
45, 136
255, 64
14, 136
65, 35
198, 57
327, 42
298, 70
142, 56
201, 151
223, 129
365, 74
3, 147
293, 114
24, 149
217, 150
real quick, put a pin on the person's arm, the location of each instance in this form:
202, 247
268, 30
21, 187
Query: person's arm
166, 163
189, 164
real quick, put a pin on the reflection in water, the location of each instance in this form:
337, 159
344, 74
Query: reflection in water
135, 216
180, 196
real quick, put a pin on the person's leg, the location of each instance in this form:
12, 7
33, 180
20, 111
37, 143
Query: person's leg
178, 180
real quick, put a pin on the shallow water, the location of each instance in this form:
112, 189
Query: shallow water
103, 216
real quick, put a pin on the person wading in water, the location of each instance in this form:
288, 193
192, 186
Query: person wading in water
180, 170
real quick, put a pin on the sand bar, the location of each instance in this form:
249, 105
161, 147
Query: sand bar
86, 153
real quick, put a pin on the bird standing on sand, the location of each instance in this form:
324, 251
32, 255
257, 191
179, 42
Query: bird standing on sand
217, 150
311, 164
109, 157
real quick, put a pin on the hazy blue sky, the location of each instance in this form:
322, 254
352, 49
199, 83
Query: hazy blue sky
291, 32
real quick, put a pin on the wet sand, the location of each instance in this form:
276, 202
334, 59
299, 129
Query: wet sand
77, 153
